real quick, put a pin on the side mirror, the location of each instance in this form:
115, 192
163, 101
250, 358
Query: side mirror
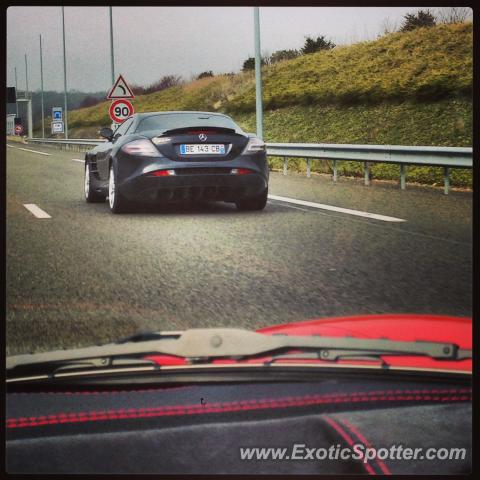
107, 133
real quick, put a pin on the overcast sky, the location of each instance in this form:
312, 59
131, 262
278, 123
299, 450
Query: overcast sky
150, 42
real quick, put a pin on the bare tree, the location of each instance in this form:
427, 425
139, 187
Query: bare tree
166, 81
388, 26
266, 57
137, 89
207, 73
454, 14
281, 55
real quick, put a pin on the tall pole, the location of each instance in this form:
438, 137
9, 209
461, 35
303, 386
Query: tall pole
27, 96
41, 86
64, 77
26, 77
258, 74
112, 61
16, 89
30, 118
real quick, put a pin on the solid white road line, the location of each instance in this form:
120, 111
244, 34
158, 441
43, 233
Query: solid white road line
348, 211
11, 146
34, 151
37, 211
78, 160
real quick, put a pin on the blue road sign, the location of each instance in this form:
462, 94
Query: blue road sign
57, 114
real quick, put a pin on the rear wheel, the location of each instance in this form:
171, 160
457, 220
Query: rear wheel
116, 202
256, 203
91, 196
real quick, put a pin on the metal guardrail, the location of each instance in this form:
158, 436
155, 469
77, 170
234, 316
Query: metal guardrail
85, 141
446, 157
75, 142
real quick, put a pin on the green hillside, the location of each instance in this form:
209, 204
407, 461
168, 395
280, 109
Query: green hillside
410, 88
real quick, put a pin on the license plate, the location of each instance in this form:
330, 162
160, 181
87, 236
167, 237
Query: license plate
202, 149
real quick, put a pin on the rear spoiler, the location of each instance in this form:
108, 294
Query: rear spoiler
200, 129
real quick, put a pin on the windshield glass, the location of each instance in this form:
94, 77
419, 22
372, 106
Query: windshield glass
169, 121
345, 191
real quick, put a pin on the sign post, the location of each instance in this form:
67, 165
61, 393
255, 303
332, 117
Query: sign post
258, 74
29, 115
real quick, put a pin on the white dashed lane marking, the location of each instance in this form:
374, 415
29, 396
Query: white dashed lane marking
34, 151
348, 211
36, 211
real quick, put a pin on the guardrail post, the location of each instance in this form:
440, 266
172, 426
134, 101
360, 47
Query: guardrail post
403, 169
446, 179
285, 165
334, 170
309, 162
366, 167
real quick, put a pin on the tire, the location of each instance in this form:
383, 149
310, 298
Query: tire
256, 203
116, 202
91, 196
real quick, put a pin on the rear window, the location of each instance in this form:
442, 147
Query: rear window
178, 120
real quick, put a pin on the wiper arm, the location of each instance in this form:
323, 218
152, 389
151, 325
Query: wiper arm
205, 344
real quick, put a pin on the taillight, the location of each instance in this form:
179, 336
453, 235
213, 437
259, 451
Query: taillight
161, 173
141, 148
240, 171
254, 145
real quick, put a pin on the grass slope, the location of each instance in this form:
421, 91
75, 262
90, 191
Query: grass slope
444, 123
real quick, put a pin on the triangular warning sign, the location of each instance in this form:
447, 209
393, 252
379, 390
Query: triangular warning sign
120, 90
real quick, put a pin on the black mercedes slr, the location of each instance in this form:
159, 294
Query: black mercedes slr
163, 157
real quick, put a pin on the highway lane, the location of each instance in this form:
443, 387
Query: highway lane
86, 276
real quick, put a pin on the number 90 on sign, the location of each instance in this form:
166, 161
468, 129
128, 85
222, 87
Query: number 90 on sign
120, 110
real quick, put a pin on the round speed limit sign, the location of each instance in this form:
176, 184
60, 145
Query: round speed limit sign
120, 110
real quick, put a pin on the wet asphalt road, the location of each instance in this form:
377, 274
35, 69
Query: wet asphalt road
85, 276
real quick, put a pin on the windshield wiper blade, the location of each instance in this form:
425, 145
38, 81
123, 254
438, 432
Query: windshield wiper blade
364, 354
206, 344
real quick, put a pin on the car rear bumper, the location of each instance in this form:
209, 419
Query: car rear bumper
196, 181
226, 187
